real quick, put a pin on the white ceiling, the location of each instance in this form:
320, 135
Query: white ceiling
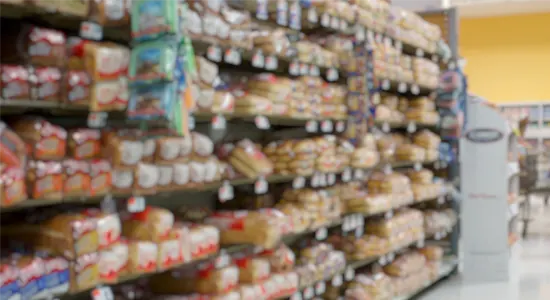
500, 8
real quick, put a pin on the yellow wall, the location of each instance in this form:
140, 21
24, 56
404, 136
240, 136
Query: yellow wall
507, 58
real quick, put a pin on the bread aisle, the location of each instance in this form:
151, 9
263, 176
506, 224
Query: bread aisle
220, 150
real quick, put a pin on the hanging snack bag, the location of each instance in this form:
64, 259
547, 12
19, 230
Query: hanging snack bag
152, 101
154, 18
153, 61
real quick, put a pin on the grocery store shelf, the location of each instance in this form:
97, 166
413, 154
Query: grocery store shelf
404, 88
448, 266
409, 126
273, 120
34, 203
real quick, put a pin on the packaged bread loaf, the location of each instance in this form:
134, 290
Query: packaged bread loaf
123, 150
113, 263
409, 152
406, 264
77, 178
169, 253
109, 228
14, 83
109, 13
249, 160
244, 227
427, 139
142, 257
252, 270
101, 179
101, 60
281, 259
26, 272
432, 253
205, 240
152, 224
84, 143
203, 147
13, 188
45, 180
33, 45
71, 235
45, 140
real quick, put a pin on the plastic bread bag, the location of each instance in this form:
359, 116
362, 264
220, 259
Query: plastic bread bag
252, 270
152, 224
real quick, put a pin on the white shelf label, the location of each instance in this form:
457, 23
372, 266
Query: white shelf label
314, 70
440, 199
420, 243
359, 174
349, 274
97, 119
261, 186
387, 169
337, 281
271, 63
419, 52
91, 31
391, 257
262, 122
136, 204
258, 60
222, 260
332, 74
402, 88
360, 33
232, 57
386, 127
388, 215
225, 192
326, 126
308, 293
320, 288
312, 15
411, 128
340, 126
325, 20
415, 89
294, 68
191, 122
334, 23
312, 126
343, 25
296, 296
299, 182
331, 179
417, 166
346, 175
385, 84
382, 260
359, 231
219, 122
102, 293
322, 180
214, 53
321, 234
304, 69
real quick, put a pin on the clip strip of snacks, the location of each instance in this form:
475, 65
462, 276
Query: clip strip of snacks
223, 211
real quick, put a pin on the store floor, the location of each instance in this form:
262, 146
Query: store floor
531, 278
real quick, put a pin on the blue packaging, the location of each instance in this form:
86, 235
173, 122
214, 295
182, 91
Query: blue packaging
57, 275
9, 288
31, 278
151, 101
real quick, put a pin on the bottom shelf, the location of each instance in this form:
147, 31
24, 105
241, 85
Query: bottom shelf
447, 267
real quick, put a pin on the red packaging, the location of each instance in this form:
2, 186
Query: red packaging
84, 143
12, 186
44, 140
101, 177
15, 83
77, 88
46, 47
45, 180
77, 178
47, 86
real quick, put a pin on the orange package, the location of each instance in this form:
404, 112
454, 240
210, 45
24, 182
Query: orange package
77, 178
45, 180
12, 186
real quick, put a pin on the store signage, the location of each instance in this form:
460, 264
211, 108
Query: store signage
484, 135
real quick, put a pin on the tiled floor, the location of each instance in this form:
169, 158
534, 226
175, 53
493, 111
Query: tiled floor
531, 281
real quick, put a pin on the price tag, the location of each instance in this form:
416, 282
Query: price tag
314, 71
261, 9
411, 127
360, 33
420, 243
334, 23
262, 122
299, 182
388, 215
320, 288
312, 126
378, 38
312, 15
441, 199
225, 192
340, 126
386, 127
282, 12
370, 37
417, 166
438, 236
304, 69
332, 74
325, 20
108, 205
258, 60
382, 260
296, 296
349, 274
315, 180
385, 84
271, 63
294, 68
136, 204
359, 232
102, 293
97, 119
219, 122
261, 186
326, 126
346, 175
232, 57
214, 53
415, 89
419, 52
222, 260
346, 224
321, 234
91, 31
387, 42
331, 179
322, 180
337, 281
391, 257
308, 293
358, 174
343, 25
402, 88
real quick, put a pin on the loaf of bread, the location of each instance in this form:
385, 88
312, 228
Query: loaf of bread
249, 160
13, 188
244, 227
45, 140
207, 280
281, 259
113, 263
252, 270
205, 241
152, 224
432, 253
142, 257
71, 235
406, 264
123, 151
109, 228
